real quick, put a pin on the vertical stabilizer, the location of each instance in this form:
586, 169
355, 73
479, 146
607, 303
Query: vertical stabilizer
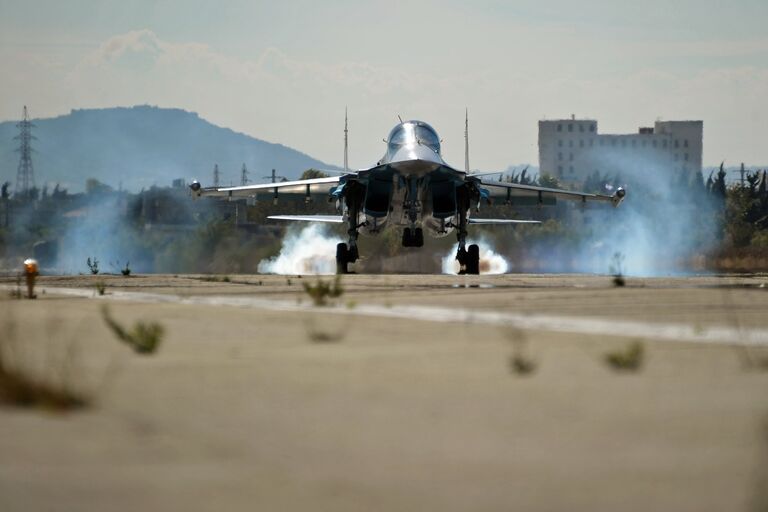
346, 142
466, 140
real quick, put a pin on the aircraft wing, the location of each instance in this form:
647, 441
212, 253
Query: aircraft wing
295, 187
472, 220
336, 219
514, 191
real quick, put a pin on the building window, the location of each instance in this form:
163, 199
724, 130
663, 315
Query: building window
677, 143
570, 127
644, 143
592, 128
581, 143
676, 156
634, 143
654, 143
560, 143
560, 170
570, 157
570, 143
623, 142
590, 142
685, 143
664, 144
559, 127
559, 156
570, 169
686, 157
581, 127
613, 142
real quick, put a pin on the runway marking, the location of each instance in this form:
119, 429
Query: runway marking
565, 324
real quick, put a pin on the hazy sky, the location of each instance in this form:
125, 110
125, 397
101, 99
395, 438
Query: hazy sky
284, 71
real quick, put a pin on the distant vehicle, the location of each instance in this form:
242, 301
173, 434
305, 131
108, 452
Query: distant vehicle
410, 187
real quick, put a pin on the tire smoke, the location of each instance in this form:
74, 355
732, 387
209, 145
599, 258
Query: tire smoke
490, 261
310, 251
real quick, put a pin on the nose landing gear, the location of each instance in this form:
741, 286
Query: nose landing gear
413, 237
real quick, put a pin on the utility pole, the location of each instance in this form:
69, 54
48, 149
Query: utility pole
25, 176
216, 175
243, 176
274, 176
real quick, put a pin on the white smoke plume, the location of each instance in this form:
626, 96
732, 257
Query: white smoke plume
309, 251
490, 261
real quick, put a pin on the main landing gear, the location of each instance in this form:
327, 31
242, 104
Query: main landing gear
469, 259
344, 256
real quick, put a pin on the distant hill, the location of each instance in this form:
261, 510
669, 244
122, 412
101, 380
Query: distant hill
143, 146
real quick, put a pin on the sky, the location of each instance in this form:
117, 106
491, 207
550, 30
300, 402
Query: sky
285, 71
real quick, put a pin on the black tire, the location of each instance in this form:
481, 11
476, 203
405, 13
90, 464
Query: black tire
461, 257
418, 240
407, 238
473, 259
342, 258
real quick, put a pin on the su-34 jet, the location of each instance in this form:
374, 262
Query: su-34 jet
412, 188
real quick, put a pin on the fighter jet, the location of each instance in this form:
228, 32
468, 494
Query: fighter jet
410, 188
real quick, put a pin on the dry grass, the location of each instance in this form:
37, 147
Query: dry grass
144, 338
629, 359
51, 387
520, 363
322, 291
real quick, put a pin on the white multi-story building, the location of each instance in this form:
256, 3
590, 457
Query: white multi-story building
572, 149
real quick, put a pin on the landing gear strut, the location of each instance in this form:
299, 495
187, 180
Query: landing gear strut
348, 253
468, 257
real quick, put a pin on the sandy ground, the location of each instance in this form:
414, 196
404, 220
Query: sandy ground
242, 409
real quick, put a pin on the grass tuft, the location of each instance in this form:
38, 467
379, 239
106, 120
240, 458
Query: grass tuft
20, 387
143, 338
629, 359
321, 291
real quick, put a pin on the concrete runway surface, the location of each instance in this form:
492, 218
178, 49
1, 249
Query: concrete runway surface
399, 396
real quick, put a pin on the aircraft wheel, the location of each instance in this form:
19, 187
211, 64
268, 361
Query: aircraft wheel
418, 240
473, 259
342, 258
407, 238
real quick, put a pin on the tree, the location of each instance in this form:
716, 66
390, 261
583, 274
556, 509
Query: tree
311, 174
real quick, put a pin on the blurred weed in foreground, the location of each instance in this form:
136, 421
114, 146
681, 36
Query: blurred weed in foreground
100, 286
93, 265
51, 387
319, 334
144, 338
617, 269
629, 359
321, 291
519, 362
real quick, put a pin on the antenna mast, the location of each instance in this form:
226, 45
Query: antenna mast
346, 142
244, 176
466, 140
216, 175
25, 176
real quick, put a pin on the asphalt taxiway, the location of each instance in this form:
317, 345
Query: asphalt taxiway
398, 395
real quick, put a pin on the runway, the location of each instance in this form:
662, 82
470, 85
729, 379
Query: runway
400, 395
675, 332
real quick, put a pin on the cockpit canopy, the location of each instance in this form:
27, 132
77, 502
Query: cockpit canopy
412, 133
